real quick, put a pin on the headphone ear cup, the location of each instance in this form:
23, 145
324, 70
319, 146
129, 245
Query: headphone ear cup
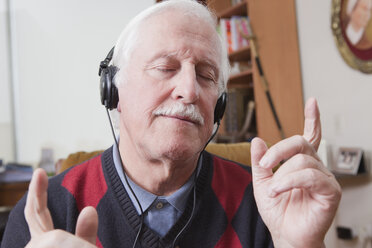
103, 86
114, 94
109, 92
219, 110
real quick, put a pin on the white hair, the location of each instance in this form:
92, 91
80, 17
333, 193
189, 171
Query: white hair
129, 36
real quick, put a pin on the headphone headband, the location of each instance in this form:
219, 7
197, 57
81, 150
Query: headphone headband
105, 63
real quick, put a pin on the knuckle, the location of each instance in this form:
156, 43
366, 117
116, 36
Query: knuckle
56, 234
274, 149
312, 174
300, 159
38, 210
338, 191
298, 138
301, 143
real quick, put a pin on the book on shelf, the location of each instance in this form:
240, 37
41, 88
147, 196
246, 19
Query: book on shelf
225, 31
236, 108
234, 32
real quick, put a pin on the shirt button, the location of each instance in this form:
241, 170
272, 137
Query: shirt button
159, 205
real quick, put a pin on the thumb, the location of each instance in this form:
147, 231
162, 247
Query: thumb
312, 128
258, 149
87, 225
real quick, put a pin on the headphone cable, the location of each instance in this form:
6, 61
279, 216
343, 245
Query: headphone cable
127, 182
139, 204
194, 190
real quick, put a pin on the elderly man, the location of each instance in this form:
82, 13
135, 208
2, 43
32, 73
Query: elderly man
159, 188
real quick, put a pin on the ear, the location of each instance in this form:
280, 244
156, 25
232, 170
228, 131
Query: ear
118, 107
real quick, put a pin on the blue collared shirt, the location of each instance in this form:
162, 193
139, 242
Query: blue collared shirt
160, 212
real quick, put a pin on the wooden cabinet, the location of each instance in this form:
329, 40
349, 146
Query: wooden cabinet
275, 29
274, 24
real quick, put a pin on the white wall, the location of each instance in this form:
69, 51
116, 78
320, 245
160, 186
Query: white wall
6, 134
344, 96
57, 49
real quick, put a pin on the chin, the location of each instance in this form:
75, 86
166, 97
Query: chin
182, 150
177, 143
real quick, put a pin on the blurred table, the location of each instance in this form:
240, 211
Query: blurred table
11, 193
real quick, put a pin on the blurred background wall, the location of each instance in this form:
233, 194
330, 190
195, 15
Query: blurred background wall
52, 66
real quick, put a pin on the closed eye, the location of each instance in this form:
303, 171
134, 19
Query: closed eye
207, 77
162, 69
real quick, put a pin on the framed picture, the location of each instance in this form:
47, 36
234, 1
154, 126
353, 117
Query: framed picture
349, 161
352, 30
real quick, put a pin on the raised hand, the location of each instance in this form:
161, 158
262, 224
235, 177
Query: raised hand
40, 222
299, 201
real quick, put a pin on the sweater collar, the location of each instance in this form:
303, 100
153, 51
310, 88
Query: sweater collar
178, 199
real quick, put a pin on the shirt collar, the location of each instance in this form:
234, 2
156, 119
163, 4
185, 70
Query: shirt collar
178, 199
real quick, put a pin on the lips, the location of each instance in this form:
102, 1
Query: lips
182, 118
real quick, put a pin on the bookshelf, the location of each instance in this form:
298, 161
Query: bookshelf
241, 54
240, 84
242, 79
239, 9
275, 29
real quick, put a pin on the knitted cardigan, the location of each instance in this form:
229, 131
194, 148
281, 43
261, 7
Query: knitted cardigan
225, 212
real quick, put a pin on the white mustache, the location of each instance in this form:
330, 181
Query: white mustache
178, 109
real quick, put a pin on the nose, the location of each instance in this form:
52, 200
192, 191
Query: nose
186, 87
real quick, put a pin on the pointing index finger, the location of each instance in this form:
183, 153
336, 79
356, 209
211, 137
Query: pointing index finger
312, 127
36, 211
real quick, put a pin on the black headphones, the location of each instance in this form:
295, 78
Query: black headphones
109, 92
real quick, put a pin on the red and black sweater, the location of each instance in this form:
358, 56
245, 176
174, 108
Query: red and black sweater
225, 212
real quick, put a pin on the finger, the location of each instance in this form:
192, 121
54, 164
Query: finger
36, 211
87, 225
312, 180
58, 238
285, 149
312, 128
258, 149
299, 162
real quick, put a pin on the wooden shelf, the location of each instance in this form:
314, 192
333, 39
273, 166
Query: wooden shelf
243, 54
242, 79
239, 9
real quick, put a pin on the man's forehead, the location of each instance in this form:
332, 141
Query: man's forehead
155, 30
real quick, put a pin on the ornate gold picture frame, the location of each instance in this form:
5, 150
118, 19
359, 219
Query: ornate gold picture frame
352, 29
